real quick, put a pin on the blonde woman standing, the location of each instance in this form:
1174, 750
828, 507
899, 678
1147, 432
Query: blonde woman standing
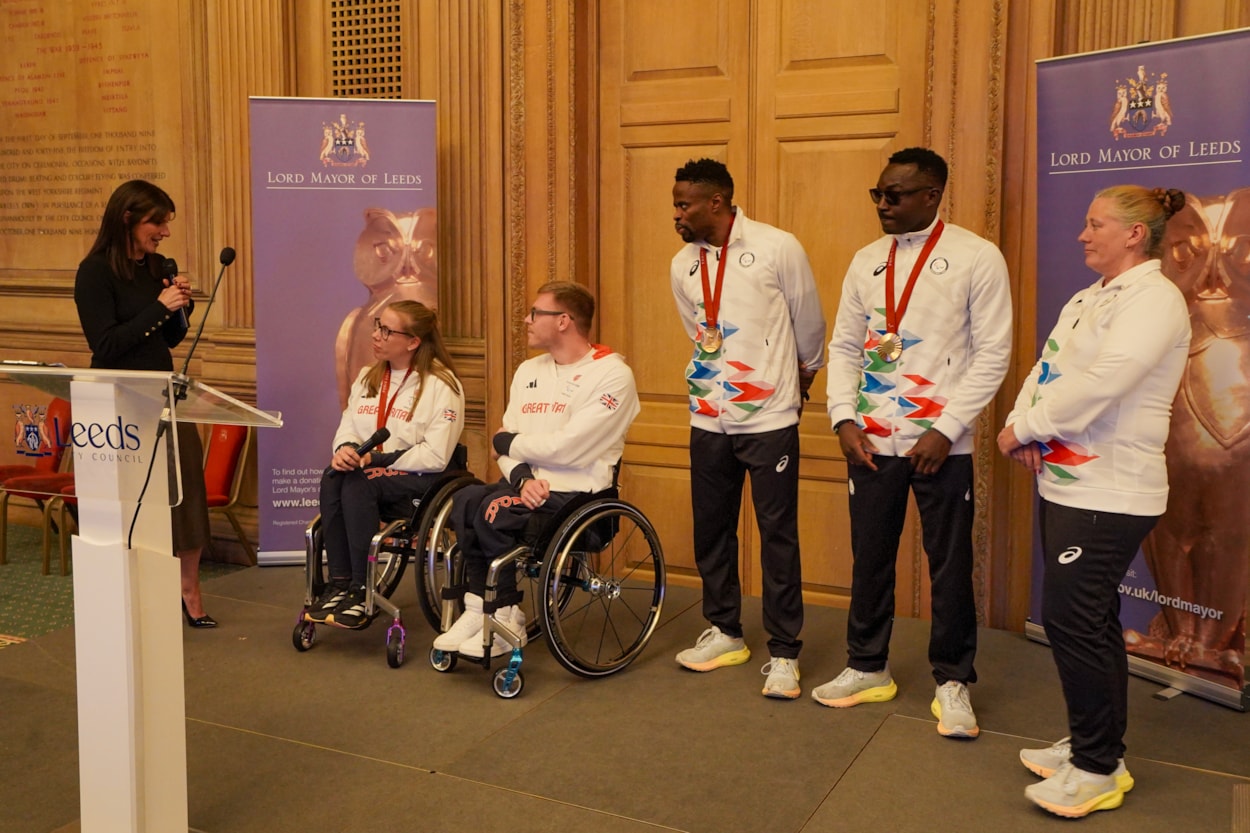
1091, 422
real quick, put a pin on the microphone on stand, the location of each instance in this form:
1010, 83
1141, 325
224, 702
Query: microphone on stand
170, 268
226, 258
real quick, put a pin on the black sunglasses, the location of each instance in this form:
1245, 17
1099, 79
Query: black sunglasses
893, 197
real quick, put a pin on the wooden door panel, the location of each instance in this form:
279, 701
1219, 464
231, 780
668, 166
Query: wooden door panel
804, 108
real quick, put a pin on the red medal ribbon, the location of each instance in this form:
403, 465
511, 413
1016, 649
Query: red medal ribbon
384, 414
892, 316
712, 310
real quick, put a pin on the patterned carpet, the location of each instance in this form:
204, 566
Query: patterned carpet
32, 604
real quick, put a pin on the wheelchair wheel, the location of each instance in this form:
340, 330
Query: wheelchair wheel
442, 661
395, 646
304, 635
394, 548
506, 688
602, 588
393, 552
529, 582
435, 543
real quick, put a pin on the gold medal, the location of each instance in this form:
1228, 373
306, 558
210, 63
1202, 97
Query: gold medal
710, 340
890, 347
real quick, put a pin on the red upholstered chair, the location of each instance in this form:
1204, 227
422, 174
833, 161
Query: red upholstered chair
51, 443
63, 505
224, 460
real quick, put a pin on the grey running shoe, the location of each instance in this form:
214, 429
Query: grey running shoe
1045, 762
953, 709
783, 678
714, 649
1074, 793
851, 687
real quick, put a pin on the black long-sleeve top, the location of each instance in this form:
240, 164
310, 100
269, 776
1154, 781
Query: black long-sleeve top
126, 326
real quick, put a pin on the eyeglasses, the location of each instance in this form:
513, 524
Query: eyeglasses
386, 332
535, 312
893, 197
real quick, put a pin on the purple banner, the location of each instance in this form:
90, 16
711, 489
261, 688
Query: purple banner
343, 222
1161, 116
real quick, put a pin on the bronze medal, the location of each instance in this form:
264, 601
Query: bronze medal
890, 347
711, 340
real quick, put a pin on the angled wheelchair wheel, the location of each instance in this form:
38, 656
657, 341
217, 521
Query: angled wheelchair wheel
529, 581
602, 587
435, 543
394, 548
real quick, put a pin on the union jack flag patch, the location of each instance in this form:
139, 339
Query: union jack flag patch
609, 401
450, 415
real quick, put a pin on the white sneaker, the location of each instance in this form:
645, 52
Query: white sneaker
714, 649
468, 624
953, 709
1045, 762
783, 678
512, 618
1074, 793
851, 687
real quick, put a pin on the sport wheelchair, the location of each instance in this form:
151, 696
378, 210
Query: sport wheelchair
401, 538
590, 578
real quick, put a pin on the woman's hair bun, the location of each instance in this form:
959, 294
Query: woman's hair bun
1172, 200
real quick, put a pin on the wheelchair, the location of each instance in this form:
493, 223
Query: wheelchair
400, 539
590, 578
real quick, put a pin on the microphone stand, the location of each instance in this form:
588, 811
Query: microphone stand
180, 384
181, 380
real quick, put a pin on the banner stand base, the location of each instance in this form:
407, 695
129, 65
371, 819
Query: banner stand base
1207, 690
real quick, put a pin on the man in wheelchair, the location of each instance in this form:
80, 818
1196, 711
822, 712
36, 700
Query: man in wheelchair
562, 434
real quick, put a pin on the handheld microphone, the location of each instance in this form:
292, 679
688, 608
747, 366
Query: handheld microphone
226, 258
170, 268
375, 439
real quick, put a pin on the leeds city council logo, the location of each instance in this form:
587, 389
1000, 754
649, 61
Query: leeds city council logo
1141, 107
30, 434
343, 144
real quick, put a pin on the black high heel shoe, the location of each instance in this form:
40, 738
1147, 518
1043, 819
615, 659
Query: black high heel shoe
204, 621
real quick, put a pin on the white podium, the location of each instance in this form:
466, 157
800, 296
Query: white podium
127, 591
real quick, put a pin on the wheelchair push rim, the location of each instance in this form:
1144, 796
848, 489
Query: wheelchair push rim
602, 592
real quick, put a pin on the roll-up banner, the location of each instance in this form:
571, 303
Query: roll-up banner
1162, 115
343, 223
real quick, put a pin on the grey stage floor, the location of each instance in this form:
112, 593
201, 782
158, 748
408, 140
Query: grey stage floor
334, 740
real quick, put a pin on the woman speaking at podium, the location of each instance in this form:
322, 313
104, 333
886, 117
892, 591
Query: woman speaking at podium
132, 314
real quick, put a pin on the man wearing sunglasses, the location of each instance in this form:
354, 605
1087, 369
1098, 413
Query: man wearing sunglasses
920, 345
747, 299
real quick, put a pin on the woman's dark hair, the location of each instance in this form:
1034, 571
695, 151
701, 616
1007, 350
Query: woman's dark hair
131, 203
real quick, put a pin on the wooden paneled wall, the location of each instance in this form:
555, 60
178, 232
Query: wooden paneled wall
560, 124
805, 111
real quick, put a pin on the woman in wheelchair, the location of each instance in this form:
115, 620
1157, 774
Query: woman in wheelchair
412, 391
